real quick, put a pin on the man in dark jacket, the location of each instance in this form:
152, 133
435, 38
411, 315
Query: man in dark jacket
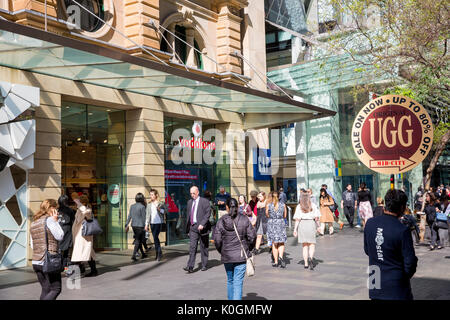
198, 228
229, 246
389, 245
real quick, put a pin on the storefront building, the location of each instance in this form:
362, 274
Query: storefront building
103, 110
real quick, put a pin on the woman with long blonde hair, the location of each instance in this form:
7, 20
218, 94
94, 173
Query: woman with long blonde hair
307, 222
261, 220
45, 234
276, 229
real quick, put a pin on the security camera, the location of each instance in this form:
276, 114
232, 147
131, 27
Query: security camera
4, 158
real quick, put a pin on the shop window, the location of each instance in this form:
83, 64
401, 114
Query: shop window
88, 22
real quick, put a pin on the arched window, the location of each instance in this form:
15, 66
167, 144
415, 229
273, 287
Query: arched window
182, 50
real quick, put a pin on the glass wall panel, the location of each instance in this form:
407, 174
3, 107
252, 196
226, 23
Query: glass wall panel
93, 164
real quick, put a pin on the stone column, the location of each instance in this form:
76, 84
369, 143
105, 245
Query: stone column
144, 155
137, 14
228, 39
301, 157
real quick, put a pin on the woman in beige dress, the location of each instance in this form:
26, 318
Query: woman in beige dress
83, 247
326, 216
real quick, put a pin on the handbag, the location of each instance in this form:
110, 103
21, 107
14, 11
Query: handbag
441, 216
53, 263
250, 270
91, 227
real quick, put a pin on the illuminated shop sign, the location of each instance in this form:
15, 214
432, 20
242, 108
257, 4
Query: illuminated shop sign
197, 143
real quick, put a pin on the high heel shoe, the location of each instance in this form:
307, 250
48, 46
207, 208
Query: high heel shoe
311, 264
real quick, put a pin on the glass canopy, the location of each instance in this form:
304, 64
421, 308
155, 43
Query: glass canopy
38, 51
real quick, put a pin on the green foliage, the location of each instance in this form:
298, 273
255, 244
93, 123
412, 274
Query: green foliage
407, 92
439, 132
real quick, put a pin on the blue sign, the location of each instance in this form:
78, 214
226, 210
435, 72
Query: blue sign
262, 165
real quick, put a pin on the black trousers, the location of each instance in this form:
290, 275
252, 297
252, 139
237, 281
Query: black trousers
50, 283
139, 240
349, 214
156, 229
435, 239
195, 237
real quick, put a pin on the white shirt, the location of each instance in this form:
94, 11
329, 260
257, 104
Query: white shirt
154, 216
195, 204
56, 231
299, 214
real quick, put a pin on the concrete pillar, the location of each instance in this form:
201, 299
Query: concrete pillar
301, 157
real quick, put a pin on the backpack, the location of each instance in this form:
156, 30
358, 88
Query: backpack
440, 216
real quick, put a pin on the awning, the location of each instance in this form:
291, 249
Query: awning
35, 50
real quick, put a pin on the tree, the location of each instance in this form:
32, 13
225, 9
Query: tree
406, 39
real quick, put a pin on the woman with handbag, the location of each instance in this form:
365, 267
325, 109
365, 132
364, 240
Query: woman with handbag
261, 220
234, 238
326, 215
365, 206
307, 222
155, 219
244, 207
83, 246
45, 233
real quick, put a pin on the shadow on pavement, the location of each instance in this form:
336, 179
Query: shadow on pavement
253, 296
441, 289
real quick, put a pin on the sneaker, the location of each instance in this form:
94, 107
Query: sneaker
358, 226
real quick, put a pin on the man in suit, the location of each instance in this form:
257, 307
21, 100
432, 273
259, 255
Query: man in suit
198, 228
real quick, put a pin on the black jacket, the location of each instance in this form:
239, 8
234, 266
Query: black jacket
430, 211
203, 215
227, 242
66, 216
389, 245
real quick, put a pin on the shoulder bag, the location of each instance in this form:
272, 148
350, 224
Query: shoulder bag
91, 227
53, 263
250, 270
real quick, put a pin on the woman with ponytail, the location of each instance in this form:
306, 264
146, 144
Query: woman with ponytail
229, 246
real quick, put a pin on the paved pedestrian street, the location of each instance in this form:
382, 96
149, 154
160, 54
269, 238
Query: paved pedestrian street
340, 274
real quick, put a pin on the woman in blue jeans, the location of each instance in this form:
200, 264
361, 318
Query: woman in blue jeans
229, 246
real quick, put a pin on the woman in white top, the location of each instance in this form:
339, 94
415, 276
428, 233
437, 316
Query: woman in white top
155, 218
307, 221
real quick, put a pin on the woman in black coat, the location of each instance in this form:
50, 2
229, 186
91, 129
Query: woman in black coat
66, 216
431, 207
227, 243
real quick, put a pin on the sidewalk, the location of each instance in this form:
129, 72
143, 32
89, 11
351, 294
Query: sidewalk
340, 274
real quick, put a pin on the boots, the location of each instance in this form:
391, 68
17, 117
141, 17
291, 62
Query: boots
93, 267
322, 228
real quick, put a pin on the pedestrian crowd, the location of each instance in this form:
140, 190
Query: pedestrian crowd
240, 229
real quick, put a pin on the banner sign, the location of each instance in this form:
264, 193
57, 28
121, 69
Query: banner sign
392, 134
262, 168
179, 175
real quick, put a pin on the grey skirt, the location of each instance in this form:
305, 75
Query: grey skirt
307, 231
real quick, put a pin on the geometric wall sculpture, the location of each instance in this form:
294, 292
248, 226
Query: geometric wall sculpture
17, 145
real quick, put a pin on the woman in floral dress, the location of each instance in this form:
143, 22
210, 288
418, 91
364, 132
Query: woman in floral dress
276, 229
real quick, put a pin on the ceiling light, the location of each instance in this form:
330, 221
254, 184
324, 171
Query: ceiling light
78, 139
83, 150
105, 141
90, 113
108, 110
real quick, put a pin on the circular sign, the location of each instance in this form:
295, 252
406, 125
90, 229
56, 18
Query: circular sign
392, 134
114, 194
197, 129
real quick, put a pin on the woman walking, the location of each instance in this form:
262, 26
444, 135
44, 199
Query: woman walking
232, 234
244, 207
83, 246
45, 233
137, 218
307, 221
326, 215
431, 208
261, 220
66, 217
155, 219
276, 229
364, 200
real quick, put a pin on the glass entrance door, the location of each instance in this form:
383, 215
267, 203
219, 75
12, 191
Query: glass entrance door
93, 164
